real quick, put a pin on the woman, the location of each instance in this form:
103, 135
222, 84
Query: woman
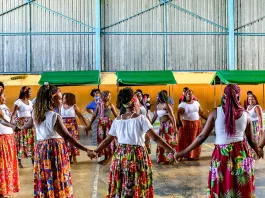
143, 111
91, 108
255, 112
168, 130
189, 123
69, 110
232, 169
131, 168
52, 174
103, 111
25, 139
9, 174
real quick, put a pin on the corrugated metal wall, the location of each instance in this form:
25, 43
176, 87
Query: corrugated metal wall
250, 49
129, 52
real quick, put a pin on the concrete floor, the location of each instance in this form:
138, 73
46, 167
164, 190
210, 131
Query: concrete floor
186, 179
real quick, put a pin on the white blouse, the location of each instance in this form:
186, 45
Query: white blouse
46, 130
131, 131
191, 111
68, 113
24, 109
3, 129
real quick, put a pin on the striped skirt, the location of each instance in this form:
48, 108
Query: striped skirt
9, 174
187, 134
130, 173
52, 176
231, 172
72, 127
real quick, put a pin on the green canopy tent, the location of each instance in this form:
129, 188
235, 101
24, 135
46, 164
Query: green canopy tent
71, 78
240, 77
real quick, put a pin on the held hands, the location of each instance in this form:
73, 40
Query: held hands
92, 154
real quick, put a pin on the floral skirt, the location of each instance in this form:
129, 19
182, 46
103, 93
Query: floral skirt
166, 132
72, 127
9, 174
257, 137
52, 176
104, 124
25, 140
187, 134
130, 173
231, 172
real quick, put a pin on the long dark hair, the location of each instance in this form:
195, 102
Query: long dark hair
24, 91
44, 103
163, 97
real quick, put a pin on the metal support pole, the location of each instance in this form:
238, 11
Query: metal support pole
165, 36
263, 96
98, 47
29, 36
231, 40
214, 94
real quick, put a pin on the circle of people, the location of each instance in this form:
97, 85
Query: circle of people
47, 132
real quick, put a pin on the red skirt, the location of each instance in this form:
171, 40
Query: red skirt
187, 134
9, 174
166, 132
104, 125
231, 172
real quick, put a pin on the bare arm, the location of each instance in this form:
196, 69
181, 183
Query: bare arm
180, 112
250, 136
104, 143
259, 113
154, 117
160, 142
113, 109
80, 116
28, 124
171, 116
62, 131
202, 137
14, 113
89, 111
201, 113
4, 122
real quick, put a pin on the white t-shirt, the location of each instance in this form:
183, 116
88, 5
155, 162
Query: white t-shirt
46, 130
191, 112
221, 135
3, 129
131, 131
253, 114
24, 109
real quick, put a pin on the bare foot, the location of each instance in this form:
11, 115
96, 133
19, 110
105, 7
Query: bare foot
20, 165
74, 160
102, 162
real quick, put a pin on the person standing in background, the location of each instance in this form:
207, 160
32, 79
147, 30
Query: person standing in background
246, 101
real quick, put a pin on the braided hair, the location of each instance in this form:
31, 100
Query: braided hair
44, 103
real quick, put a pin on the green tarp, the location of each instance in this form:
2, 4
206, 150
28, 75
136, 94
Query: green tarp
163, 77
61, 78
242, 77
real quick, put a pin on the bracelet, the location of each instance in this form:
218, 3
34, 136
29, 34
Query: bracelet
173, 151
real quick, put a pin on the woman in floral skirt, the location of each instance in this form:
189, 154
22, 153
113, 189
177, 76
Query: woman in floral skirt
103, 112
130, 172
52, 174
232, 168
168, 130
69, 110
255, 112
9, 174
25, 139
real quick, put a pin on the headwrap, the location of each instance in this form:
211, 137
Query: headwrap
132, 102
26, 89
57, 92
102, 101
232, 108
